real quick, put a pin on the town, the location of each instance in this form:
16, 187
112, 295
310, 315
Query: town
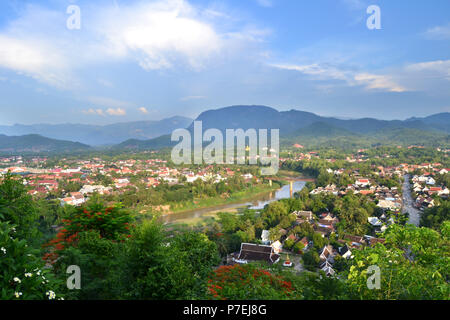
349, 204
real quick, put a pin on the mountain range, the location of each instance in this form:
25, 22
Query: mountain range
295, 126
311, 129
96, 135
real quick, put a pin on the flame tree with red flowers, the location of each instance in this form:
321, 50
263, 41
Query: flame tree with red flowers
111, 223
90, 238
248, 282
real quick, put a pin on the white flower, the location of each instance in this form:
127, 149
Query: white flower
28, 275
4, 250
51, 295
17, 294
17, 280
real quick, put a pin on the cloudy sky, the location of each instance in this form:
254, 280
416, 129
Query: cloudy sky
138, 60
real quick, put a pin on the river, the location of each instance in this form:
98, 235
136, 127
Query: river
255, 203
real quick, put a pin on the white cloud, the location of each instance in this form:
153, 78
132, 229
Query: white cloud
109, 102
116, 112
431, 69
157, 35
34, 58
431, 77
94, 111
325, 72
438, 32
143, 110
318, 71
380, 82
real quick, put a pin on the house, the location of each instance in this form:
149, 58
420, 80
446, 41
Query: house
324, 230
256, 252
327, 268
375, 221
356, 241
362, 183
307, 215
345, 252
292, 237
329, 222
326, 254
372, 240
327, 217
430, 181
247, 176
388, 205
305, 242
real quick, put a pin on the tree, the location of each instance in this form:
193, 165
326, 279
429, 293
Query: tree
298, 247
288, 244
435, 216
22, 272
311, 260
273, 212
17, 207
413, 265
153, 267
248, 282
318, 241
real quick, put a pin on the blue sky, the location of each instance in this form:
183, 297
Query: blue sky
145, 60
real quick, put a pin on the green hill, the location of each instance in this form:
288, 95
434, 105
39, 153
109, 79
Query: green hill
33, 143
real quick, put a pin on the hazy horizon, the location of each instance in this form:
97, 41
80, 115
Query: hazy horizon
195, 117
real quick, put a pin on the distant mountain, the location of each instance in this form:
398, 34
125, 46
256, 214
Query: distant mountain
257, 117
321, 129
34, 143
96, 135
303, 126
439, 121
151, 144
289, 121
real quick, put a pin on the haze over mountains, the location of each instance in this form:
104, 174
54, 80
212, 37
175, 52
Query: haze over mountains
96, 135
295, 126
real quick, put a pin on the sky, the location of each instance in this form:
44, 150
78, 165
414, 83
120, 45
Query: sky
108, 61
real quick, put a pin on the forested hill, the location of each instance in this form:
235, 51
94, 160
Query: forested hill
36, 143
310, 129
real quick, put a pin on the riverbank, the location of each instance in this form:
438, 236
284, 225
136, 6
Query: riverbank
298, 176
246, 195
207, 204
